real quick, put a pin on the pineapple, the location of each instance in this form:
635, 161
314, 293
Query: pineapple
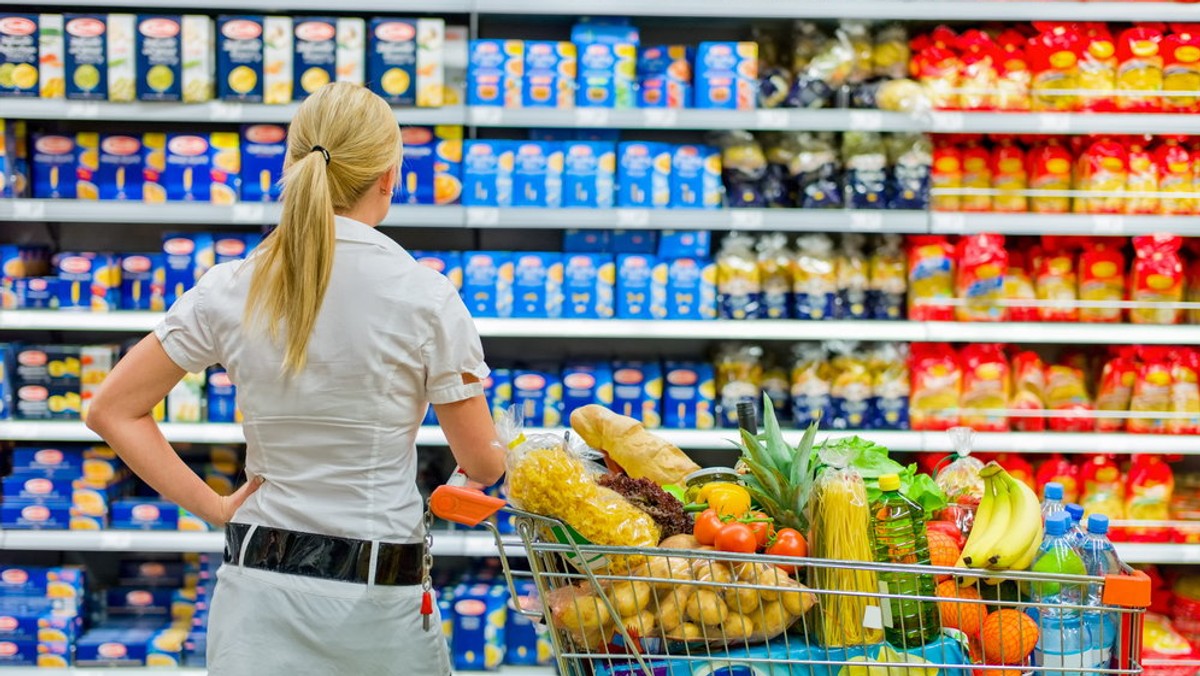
780, 477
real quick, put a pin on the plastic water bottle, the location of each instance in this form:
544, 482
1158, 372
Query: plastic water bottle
1076, 530
1099, 558
1063, 637
1052, 499
898, 535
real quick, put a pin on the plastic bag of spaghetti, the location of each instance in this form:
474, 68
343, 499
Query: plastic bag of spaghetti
960, 481
547, 475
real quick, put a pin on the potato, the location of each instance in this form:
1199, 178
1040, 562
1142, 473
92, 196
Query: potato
742, 600
641, 625
671, 607
582, 614
760, 574
736, 627
686, 632
712, 571
629, 597
706, 607
798, 602
666, 569
682, 541
772, 620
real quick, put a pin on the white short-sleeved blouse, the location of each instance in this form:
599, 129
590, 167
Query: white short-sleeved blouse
337, 442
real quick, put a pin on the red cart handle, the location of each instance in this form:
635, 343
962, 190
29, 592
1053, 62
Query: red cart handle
1127, 591
463, 505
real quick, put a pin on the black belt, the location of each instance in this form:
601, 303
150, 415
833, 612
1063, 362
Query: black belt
324, 556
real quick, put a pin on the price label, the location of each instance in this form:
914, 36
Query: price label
944, 122
948, 224
83, 110
221, 111
866, 120
1053, 123
661, 118
485, 116
591, 117
1108, 225
866, 221
29, 210
249, 213
633, 218
771, 119
115, 541
482, 217
746, 219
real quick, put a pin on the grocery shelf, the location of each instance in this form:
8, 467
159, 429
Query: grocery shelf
218, 112
186, 671
391, 6
978, 122
1110, 225
1158, 553
768, 119
902, 441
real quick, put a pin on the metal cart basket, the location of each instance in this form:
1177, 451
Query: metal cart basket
617, 611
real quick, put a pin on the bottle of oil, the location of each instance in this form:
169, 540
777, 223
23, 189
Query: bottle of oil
898, 535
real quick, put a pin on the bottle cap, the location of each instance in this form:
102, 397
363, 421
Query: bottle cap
1054, 491
1098, 524
889, 482
1056, 524
1076, 512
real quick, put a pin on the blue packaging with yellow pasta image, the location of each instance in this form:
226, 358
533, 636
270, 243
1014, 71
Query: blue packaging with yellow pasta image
538, 395
643, 174
589, 174
263, 149
637, 391
487, 283
691, 289
689, 396
641, 287
537, 285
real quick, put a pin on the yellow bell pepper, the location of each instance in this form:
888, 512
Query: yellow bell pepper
727, 498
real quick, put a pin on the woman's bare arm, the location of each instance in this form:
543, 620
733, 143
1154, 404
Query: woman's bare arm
472, 437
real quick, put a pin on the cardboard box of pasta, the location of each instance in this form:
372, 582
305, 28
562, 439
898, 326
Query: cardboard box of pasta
254, 59
404, 61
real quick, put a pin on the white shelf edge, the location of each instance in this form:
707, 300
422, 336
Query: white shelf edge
1158, 553
216, 112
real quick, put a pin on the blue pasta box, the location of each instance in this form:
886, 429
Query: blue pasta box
35, 293
588, 286
193, 167
101, 464
263, 149
18, 653
121, 167
14, 159
537, 174
665, 77
159, 50
643, 174
727, 76
6, 384
684, 243
41, 402
537, 285
638, 390
498, 391
526, 642
634, 241
186, 256
134, 573
88, 281
55, 166
585, 383
48, 461
495, 73
50, 365
85, 56
315, 56
431, 172
487, 283
448, 263
589, 174
138, 514
228, 248
143, 282
222, 397
254, 59
23, 581
586, 241
480, 616
550, 70
19, 55
691, 288
404, 60
607, 75
538, 395
696, 177
93, 498
115, 646
689, 396
38, 488
641, 287
488, 173
18, 514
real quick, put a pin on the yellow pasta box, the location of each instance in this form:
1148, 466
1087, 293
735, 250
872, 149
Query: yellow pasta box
19, 46
192, 167
51, 58
87, 145
199, 58
351, 50
186, 399
254, 59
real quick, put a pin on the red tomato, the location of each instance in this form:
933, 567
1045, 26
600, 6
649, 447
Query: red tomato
736, 537
762, 527
788, 542
708, 524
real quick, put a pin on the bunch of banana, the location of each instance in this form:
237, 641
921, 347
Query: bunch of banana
1008, 524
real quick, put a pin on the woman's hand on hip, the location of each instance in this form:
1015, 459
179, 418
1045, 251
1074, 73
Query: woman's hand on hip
230, 503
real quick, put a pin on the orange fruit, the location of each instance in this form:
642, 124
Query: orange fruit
966, 615
1007, 637
943, 551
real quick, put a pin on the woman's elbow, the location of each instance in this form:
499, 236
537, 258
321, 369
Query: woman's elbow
488, 473
99, 417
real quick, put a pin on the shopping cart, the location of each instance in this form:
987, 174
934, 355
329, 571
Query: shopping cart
580, 585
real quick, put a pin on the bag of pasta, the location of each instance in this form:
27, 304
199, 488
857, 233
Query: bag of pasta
547, 475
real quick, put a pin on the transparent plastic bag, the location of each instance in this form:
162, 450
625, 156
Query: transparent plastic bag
960, 481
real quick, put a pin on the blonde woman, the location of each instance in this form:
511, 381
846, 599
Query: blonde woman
336, 339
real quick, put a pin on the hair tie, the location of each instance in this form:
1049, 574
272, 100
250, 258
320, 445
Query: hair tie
323, 152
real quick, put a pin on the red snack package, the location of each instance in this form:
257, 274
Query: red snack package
1054, 61
1143, 177
1029, 391
1102, 168
936, 387
1054, 280
977, 173
979, 282
985, 387
1139, 69
978, 74
1013, 86
1058, 469
1193, 290
1151, 390
1050, 169
1181, 68
935, 65
1097, 68
1102, 279
946, 173
930, 277
1010, 175
1176, 174
1115, 389
1185, 391
1103, 488
1157, 278
1018, 286
1066, 390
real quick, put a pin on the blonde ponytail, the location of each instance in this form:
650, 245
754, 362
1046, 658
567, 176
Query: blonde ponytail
342, 139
